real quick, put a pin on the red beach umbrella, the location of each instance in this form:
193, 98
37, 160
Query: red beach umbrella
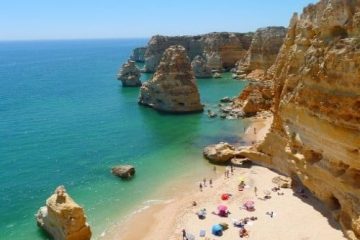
225, 196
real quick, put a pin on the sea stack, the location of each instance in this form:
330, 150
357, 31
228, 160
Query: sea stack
200, 67
173, 87
63, 218
129, 75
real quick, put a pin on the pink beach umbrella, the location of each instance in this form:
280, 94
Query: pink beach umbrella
222, 208
249, 204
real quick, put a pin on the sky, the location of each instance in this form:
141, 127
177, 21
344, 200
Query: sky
93, 19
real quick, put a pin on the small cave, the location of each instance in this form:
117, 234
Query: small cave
333, 203
338, 32
312, 157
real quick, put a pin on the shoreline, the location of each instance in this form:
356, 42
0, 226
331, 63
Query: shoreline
166, 218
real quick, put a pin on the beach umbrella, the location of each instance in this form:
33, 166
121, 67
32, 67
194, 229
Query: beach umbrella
249, 204
225, 196
222, 208
216, 230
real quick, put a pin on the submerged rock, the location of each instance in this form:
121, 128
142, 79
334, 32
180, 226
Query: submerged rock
173, 87
123, 171
63, 218
130, 75
200, 67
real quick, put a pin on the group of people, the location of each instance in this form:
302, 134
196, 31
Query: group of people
203, 184
228, 170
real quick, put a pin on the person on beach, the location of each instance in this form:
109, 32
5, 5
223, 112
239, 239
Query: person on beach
210, 182
204, 180
214, 169
184, 235
201, 187
255, 191
254, 130
232, 169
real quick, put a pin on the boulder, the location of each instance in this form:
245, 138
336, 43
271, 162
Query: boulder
63, 218
123, 171
225, 100
220, 153
282, 181
200, 67
217, 75
130, 75
173, 87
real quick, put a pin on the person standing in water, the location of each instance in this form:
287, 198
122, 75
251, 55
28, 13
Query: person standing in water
201, 187
210, 182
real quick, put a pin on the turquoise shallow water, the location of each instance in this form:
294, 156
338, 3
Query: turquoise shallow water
64, 119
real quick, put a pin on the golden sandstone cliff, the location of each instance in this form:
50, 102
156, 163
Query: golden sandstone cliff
63, 218
315, 136
173, 87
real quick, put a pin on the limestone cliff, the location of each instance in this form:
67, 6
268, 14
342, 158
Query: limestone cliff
173, 87
229, 46
262, 53
63, 218
315, 136
138, 54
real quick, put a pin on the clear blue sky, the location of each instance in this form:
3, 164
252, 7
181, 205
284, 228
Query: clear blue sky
80, 19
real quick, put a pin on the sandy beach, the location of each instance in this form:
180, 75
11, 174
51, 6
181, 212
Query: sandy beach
294, 216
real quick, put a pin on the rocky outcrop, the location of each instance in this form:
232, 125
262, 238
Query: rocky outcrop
123, 171
63, 218
256, 97
173, 87
220, 153
262, 53
129, 75
200, 67
315, 136
221, 50
138, 54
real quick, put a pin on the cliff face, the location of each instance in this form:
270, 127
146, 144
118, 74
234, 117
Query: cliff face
263, 51
138, 54
315, 136
229, 46
63, 218
173, 87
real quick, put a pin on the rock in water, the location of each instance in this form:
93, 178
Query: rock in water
63, 218
200, 67
173, 87
130, 75
123, 171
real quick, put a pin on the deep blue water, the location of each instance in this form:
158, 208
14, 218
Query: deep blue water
65, 120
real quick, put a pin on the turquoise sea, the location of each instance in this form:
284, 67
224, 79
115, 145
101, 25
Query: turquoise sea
65, 120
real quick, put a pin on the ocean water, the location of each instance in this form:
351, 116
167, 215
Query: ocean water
66, 120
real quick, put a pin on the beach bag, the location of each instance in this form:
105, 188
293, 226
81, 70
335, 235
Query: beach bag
202, 233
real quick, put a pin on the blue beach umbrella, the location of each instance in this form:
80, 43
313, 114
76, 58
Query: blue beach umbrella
216, 230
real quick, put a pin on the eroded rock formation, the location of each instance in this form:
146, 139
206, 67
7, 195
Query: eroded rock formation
315, 136
173, 87
220, 153
227, 47
262, 53
129, 75
138, 54
200, 67
256, 97
63, 218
